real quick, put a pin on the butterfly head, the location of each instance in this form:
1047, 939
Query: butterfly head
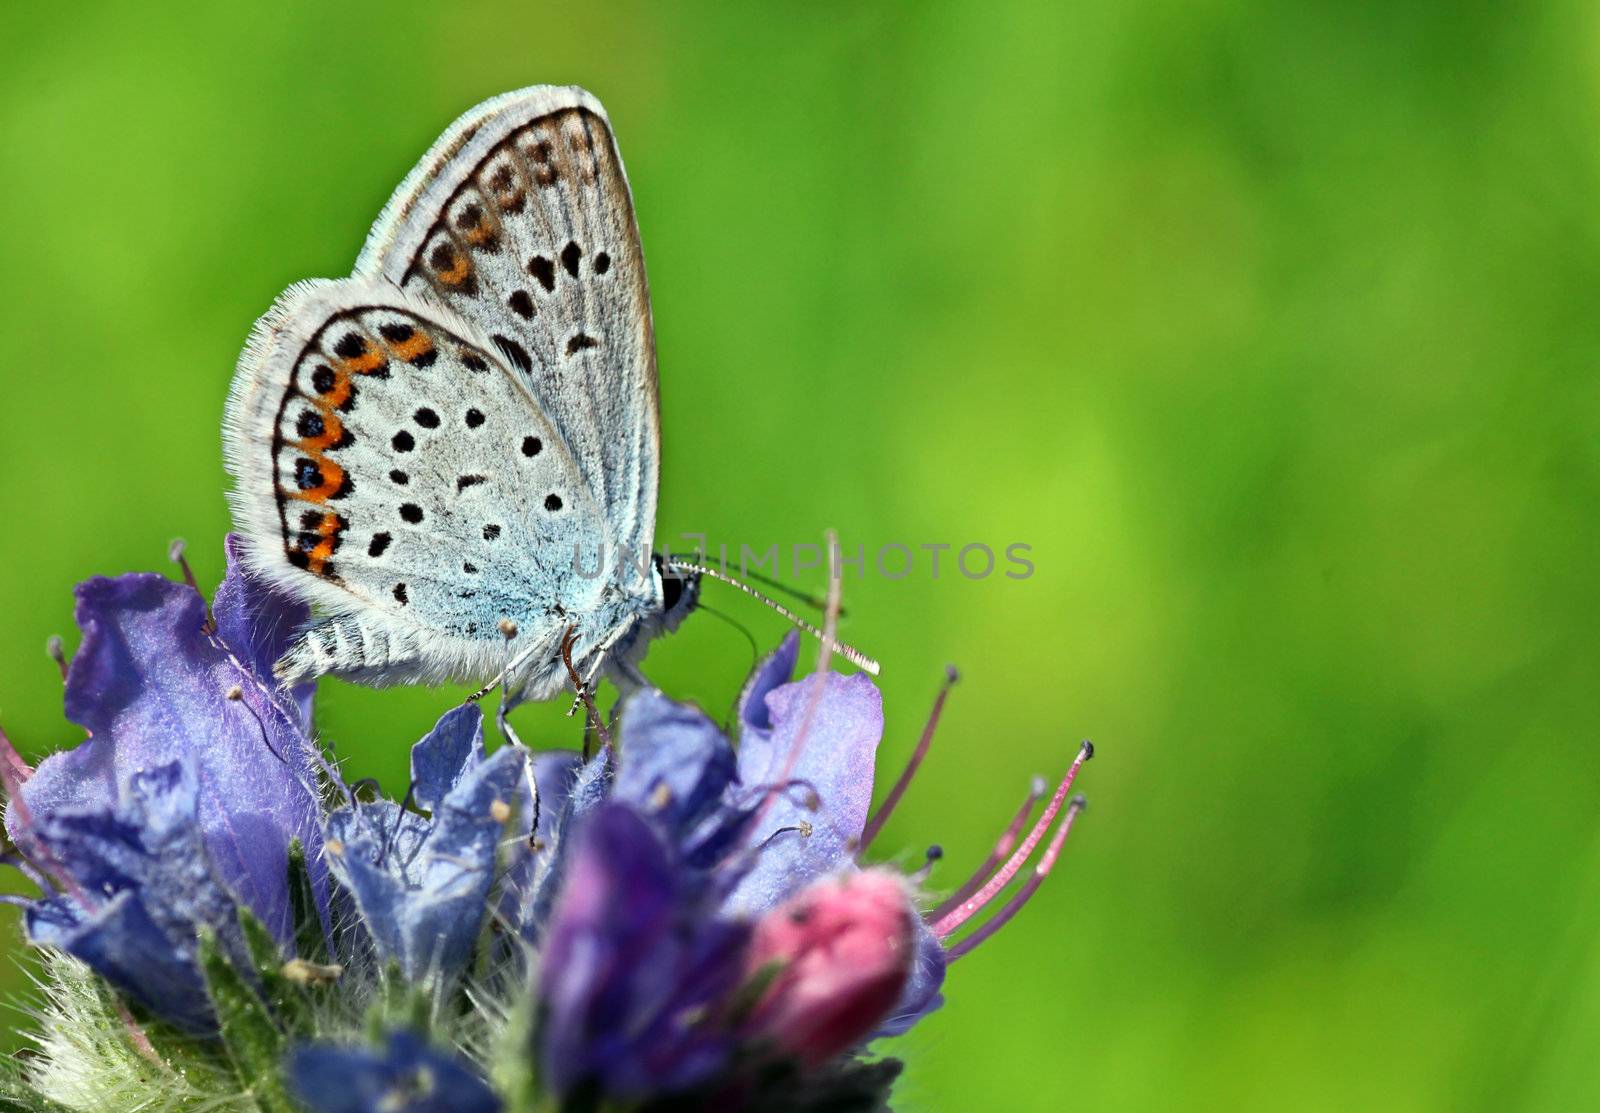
679, 591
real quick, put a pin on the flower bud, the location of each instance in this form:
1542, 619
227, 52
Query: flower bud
838, 955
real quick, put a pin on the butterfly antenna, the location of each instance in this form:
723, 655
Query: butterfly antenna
810, 599
849, 653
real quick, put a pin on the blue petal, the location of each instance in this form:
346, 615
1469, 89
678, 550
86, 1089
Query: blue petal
675, 763
137, 887
447, 753
921, 995
259, 623
121, 943
568, 791
151, 687
818, 750
631, 967
422, 884
407, 1076
775, 668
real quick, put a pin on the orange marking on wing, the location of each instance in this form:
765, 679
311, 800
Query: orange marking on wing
328, 530
365, 364
332, 481
414, 347
481, 233
335, 397
457, 274
332, 433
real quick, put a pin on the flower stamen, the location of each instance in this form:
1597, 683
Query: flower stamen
175, 553
53, 649
1002, 847
944, 925
1029, 887
886, 809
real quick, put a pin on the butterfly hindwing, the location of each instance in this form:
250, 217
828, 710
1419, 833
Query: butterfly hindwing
392, 468
520, 221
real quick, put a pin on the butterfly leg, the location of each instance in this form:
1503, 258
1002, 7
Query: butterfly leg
578, 682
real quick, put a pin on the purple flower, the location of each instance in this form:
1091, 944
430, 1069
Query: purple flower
406, 1076
811, 746
138, 888
184, 800
569, 788
794, 736
634, 967
422, 883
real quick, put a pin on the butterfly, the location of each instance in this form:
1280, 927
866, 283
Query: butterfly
452, 455
454, 452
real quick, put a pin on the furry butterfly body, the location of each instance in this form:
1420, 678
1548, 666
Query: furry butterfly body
462, 439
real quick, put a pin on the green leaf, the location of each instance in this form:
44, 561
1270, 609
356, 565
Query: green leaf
311, 943
254, 1044
512, 1061
286, 997
400, 1004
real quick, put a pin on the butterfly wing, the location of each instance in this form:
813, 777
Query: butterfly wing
519, 220
393, 468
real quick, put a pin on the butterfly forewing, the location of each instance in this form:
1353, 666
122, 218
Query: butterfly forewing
520, 222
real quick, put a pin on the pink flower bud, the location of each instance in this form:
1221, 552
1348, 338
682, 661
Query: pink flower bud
841, 951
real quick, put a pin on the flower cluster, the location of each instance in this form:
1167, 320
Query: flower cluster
676, 922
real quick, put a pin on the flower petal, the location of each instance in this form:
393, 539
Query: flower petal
569, 789
406, 1076
422, 884
631, 967
151, 687
137, 887
675, 762
447, 753
775, 668
258, 623
921, 995
821, 743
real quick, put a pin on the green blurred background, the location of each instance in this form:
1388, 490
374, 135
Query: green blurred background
1271, 327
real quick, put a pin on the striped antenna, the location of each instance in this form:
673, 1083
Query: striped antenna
854, 656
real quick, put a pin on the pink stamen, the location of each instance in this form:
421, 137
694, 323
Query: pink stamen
949, 922
14, 773
1029, 887
1002, 847
886, 809
816, 682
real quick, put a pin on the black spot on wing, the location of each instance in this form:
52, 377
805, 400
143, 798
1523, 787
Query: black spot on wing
544, 270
